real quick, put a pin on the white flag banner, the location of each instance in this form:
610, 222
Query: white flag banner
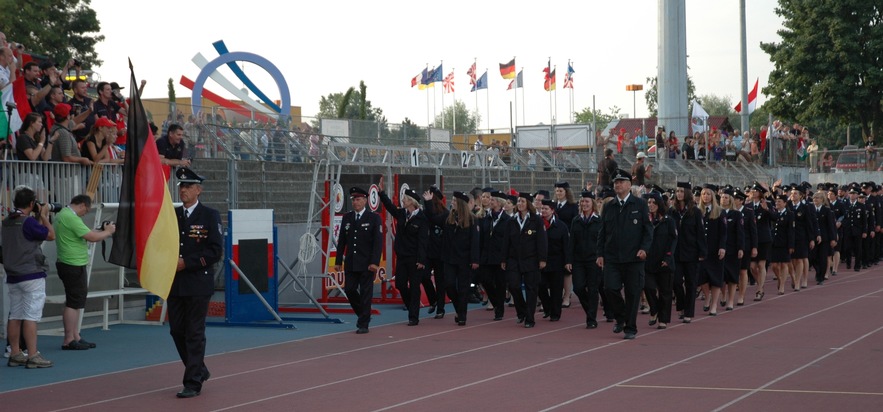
700, 118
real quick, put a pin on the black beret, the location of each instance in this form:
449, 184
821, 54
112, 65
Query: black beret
783, 198
563, 185
758, 187
588, 193
685, 185
711, 186
738, 194
512, 198
527, 196
607, 192
549, 203
436, 192
655, 196
545, 194
412, 193
499, 194
358, 192
188, 176
622, 175
462, 196
488, 190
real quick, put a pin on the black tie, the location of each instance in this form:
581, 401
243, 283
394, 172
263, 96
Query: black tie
621, 203
358, 216
186, 214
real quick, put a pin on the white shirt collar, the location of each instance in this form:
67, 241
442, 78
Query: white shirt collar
189, 210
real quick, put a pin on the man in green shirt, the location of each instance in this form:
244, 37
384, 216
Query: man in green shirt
72, 236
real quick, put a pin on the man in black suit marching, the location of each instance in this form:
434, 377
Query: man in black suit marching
359, 244
625, 237
201, 245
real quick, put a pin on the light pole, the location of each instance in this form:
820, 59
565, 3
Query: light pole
634, 88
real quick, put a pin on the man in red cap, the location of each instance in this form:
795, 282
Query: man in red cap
65, 148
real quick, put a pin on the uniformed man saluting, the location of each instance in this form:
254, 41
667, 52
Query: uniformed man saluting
201, 246
359, 243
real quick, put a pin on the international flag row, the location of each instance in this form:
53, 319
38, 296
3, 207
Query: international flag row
428, 77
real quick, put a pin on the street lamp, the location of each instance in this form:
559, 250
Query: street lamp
634, 88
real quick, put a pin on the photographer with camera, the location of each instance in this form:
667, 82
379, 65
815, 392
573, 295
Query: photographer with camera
22, 237
73, 256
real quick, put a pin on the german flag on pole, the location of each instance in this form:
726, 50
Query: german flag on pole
508, 70
147, 230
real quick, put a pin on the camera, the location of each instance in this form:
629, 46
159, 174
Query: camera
77, 63
53, 207
104, 224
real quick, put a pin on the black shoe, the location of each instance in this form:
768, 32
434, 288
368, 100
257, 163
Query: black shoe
554, 319
431, 310
706, 308
723, 303
848, 265
188, 393
498, 318
545, 315
361, 331
206, 376
461, 323
529, 325
520, 320
629, 336
857, 269
617, 328
413, 322
610, 320
821, 282
90, 344
74, 345
653, 320
591, 325
440, 315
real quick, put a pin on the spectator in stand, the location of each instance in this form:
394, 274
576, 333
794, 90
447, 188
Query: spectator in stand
172, 147
730, 147
701, 152
688, 152
505, 152
620, 139
97, 145
717, 147
827, 161
47, 105
65, 149
754, 150
628, 144
31, 76
479, 144
81, 109
531, 160
660, 142
106, 106
871, 150
813, 156
672, 144
32, 143
640, 172
25, 265
764, 147
606, 168
641, 140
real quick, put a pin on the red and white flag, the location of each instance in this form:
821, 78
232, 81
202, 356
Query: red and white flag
752, 100
448, 83
471, 74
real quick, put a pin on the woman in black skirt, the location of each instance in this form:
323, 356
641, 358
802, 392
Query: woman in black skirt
749, 251
437, 214
764, 214
461, 253
735, 246
804, 237
783, 241
711, 270
821, 254
525, 249
660, 261
690, 249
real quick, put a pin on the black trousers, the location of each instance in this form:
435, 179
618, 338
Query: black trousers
818, 258
435, 293
852, 247
187, 327
686, 276
658, 290
458, 279
494, 281
526, 302
359, 288
586, 283
628, 279
408, 279
550, 292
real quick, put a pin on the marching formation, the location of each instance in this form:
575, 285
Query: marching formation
621, 249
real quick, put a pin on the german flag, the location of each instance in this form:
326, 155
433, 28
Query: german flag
508, 70
549, 83
147, 230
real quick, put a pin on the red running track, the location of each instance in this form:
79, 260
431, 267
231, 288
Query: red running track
816, 350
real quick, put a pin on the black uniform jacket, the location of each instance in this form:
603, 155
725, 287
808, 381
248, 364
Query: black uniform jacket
557, 241
691, 245
624, 230
584, 239
826, 223
493, 228
437, 220
665, 236
524, 248
412, 232
750, 227
566, 213
360, 242
201, 246
735, 231
856, 221
763, 219
783, 229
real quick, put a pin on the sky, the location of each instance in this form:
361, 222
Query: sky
327, 47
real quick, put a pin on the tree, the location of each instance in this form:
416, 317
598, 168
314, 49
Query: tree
828, 63
602, 119
336, 106
466, 122
60, 30
651, 96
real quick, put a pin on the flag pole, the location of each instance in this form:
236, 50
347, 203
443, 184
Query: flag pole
515, 92
523, 103
570, 76
454, 109
487, 98
475, 85
428, 119
441, 65
555, 70
550, 92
